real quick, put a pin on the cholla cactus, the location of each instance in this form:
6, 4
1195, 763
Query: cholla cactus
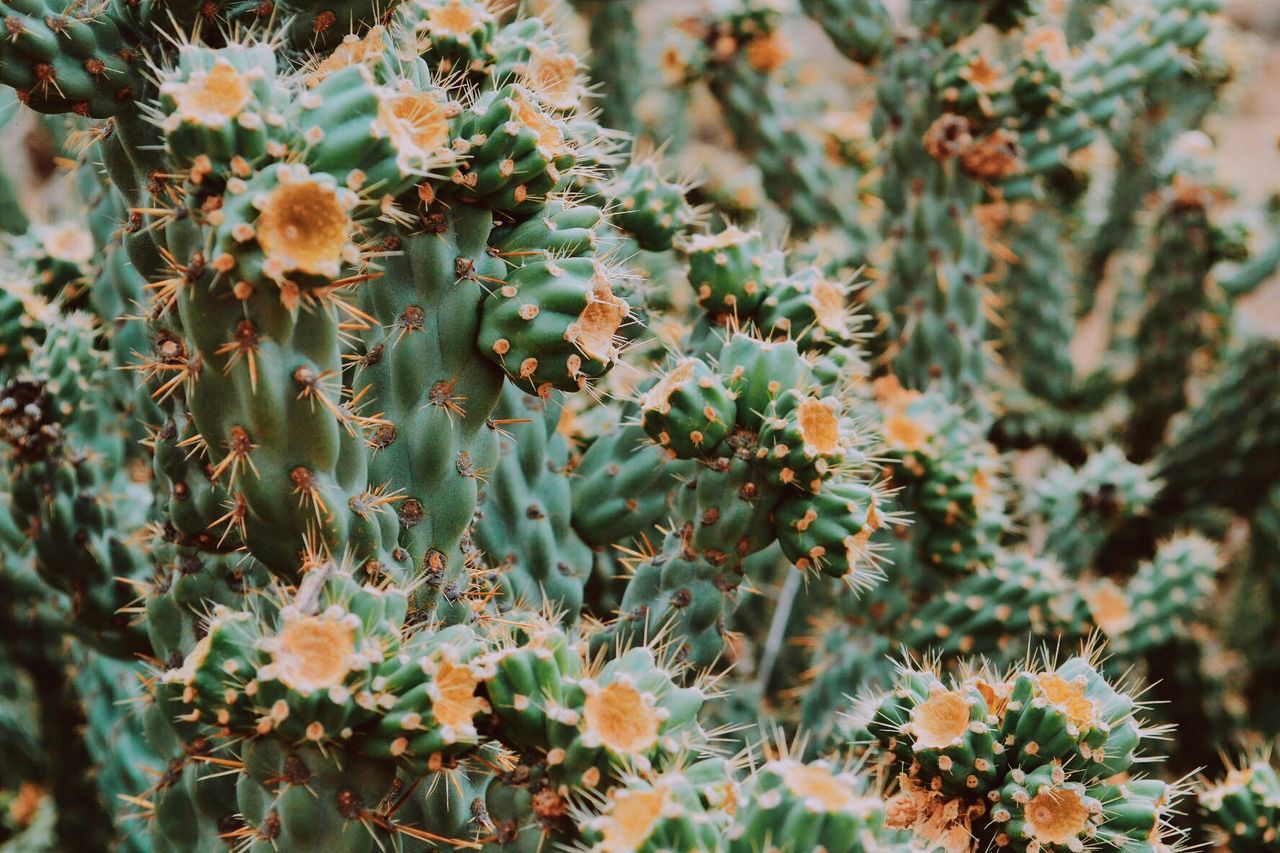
1023, 760
399, 455
1243, 806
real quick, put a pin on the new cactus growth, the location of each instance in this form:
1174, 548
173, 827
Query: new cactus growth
1242, 806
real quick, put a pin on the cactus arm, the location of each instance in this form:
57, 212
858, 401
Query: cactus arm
1174, 324
84, 62
1250, 275
524, 517
860, 29
1116, 64
436, 392
1221, 456
616, 65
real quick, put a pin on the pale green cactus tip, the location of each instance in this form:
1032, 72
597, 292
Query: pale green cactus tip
1243, 806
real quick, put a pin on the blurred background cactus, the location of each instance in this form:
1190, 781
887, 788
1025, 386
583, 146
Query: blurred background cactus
627, 425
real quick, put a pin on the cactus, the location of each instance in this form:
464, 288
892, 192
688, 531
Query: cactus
1241, 455
1241, 807
1113, 64
1018, 761
1182, 314
616, 65
742, 67
794, 805
946, 472
989, 609
665, 814
399, 453
1037, 288
1159, 601
1081, 508
524, 520
70, 493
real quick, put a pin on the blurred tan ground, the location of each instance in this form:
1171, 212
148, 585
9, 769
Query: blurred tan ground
1247, 139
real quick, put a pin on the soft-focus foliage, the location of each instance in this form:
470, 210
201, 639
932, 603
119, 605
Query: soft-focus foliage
397, 455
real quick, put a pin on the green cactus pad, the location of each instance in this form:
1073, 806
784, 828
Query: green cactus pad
650, 208
806, 440
831, 531
688, 411
554, 324
728, 271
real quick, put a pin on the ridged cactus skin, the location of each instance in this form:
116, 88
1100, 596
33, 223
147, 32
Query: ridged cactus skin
676, 811
1150, 47
946, 471
793, 805
978, 615
1181, 317
524, 521
649, 207
742, 58
1243, 807
1000, 757
62, 60
1082, 507
617, 66
13, 219
553, 324
70, 497
619, 426
419, 360
727, 270
1160, 601
831, 531
689, 411
620, 486
301, 797
1043, 400
1241, 453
